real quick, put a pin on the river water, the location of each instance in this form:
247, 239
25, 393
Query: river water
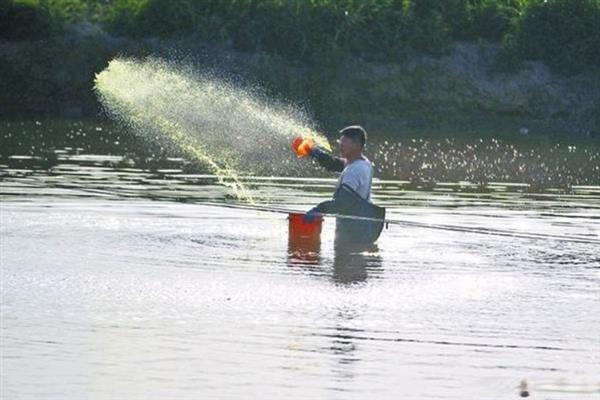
121, 283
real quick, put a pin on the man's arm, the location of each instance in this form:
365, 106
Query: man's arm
327, 161
343, 202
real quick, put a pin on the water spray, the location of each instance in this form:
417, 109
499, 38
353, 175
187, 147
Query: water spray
230, 130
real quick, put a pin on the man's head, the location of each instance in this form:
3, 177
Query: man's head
352, 141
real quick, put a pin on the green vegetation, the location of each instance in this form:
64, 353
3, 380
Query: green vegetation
565, 34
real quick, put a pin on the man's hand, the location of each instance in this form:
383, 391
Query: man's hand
311, 215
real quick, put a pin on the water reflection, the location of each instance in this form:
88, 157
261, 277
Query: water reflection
421, 162
345, 349
353, 263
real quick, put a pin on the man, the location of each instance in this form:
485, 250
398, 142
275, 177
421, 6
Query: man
353, 194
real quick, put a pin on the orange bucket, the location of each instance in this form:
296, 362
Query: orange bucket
301, 228
304, 237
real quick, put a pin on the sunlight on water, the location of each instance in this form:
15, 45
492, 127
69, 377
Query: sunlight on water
204, 301
105, 271
481, 161
128, 272
230, 130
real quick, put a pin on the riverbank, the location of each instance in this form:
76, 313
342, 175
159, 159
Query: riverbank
462, 92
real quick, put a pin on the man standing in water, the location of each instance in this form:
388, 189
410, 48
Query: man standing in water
353, 194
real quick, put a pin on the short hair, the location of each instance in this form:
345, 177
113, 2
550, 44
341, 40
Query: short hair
356, 133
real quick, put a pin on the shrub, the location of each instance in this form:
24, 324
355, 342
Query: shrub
24, 20
68, 11
491, 19
563, 33
120, 16
164, 17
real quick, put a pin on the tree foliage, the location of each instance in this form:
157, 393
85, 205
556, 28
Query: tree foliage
563, 33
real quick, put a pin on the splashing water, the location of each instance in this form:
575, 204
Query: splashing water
230, 130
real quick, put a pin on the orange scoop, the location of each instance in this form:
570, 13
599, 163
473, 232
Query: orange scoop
302, 146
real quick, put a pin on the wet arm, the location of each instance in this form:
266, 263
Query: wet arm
327, 161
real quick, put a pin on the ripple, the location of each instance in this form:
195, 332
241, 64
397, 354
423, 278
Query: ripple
107, 271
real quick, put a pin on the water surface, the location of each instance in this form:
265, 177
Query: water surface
121, 282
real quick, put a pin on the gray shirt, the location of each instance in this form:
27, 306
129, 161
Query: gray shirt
358, 175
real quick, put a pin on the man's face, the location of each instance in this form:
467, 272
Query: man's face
349, 148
